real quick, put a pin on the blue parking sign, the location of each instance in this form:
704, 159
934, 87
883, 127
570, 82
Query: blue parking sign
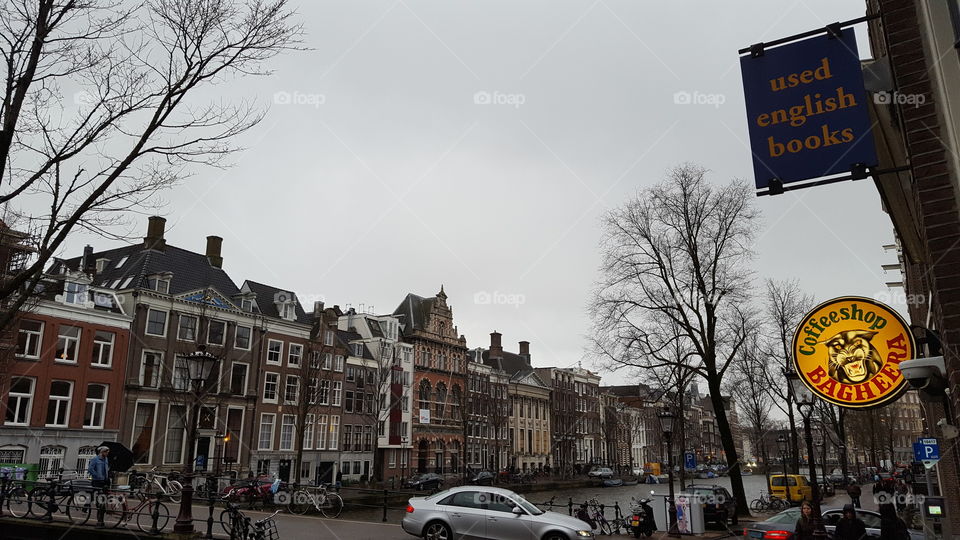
926, 450
690, 460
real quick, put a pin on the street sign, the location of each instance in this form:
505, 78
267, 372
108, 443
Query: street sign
689, 460
926, 450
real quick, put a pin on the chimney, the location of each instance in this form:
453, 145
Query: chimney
86, 262
154, 238
214, 243
102, 264
496, 350
525, 350
317, 309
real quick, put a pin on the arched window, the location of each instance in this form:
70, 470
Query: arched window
455, 402
424, 394
51, 460
13, 453
441, 400
84, 455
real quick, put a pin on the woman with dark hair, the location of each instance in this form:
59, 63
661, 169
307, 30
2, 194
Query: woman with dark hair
891, 526
810, 525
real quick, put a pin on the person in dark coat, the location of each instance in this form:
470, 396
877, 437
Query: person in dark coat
810, 525
891, 526
850, 527
854, 491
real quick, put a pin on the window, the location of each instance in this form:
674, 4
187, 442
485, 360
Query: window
143, 432
294, 355
28, 340
19, 401
392, 459
102, 348
246, 304
188, 328
338, 363
263, 466
348, 403
156, 322
334, 431
308, 432
51, 459
12, 454
159, 284
126, 282
274, 351
328, 338
327, 360
286, 432
367, 438
337, 386
216, 332
242, 340
324, 392
356, 467
358, 349
271, 383
176, 428
322, 433
58, 406
292, 390
123, 260
75, 293
150, 369
238, 378
96, 406
181, 374
265, 441
305, 470
424, 394
84, 455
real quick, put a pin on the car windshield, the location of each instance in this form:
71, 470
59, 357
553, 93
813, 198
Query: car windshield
528, 506
440, 494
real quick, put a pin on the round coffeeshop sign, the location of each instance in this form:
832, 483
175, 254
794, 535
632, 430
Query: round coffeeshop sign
848, 351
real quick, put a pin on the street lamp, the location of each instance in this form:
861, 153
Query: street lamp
805, 401
782, 443
666, 417
199, 366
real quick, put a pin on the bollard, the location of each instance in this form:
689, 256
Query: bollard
52, 491
385, 492
211, 486
601, 511
570, 506
155, 517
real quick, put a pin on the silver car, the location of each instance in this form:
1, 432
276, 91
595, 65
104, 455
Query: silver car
479, 512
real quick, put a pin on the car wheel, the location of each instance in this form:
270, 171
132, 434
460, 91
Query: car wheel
437, 531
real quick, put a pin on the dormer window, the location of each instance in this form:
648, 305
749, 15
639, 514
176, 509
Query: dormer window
358, 349
75, 293
159, 283
246, 304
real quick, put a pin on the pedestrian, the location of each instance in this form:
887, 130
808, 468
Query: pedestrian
891, 526
901, 496
854, 491
850, 527
809, 525
99, 469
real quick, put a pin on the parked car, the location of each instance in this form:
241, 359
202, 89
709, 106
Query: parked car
424, 481
718, 505
781, 526
482, 478
826, 487
487, 513
601, 472
799, 488
837, 480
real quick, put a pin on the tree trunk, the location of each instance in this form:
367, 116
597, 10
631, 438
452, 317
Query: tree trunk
729, 446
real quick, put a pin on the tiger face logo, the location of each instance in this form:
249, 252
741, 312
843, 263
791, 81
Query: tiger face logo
853, 359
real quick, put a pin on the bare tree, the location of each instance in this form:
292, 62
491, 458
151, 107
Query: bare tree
785, 306
134, 126
677, 252
749, 387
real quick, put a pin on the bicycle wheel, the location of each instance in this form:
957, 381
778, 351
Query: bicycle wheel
78, 508
114, 509
756, 505
174, 490
605, 528
39, 502
301, 502
145, 516
17, 502
226, 521
332, 505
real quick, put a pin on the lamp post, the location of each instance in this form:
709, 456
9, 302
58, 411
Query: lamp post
199, 366
666, 417
805, 400
782, 450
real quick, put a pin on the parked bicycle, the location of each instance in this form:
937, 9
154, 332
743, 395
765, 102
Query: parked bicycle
59, 496
766, 503
118, 511
329, 504
14, 498
238, 526
158, 484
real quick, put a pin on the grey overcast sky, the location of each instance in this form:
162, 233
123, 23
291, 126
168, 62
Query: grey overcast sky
476, 145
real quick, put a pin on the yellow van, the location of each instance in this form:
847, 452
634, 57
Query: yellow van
797, 484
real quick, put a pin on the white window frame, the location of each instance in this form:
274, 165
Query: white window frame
51, 461
31, 336
290, 355
286, 387
96, 356
308, 428
153, 430
273, 419
338, 363
327, 360
284, 425
279, 352
328, 338
183, 438
77, 296
196, 326
20, 397
276, 392
146, 326
246, 376
334, 432
336, 392
324, 396
322, 432
67, 341
158, 371
94, 402
236, 334
68, 399
210, 326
